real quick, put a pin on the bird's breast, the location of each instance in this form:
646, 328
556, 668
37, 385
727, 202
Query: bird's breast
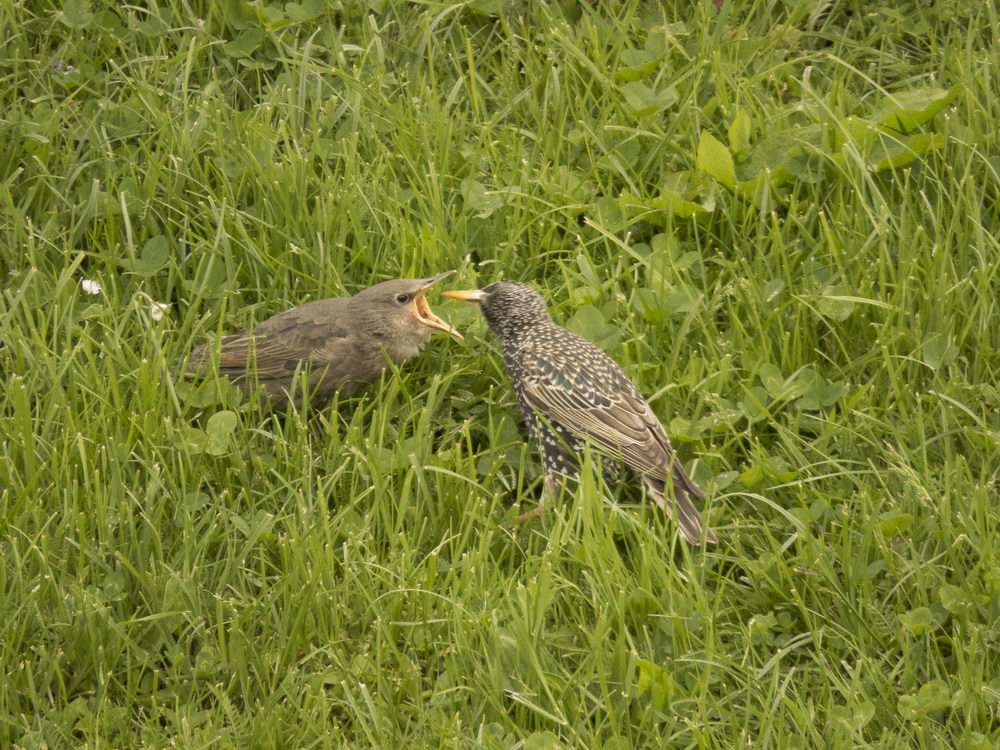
405, 350
402, 348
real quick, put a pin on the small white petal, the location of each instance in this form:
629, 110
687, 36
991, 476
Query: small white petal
90, 286
158, 309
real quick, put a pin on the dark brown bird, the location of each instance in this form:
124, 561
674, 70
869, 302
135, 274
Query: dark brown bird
342, 343
570, 392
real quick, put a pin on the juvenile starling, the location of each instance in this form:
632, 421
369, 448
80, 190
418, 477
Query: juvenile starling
342, 343
571, 392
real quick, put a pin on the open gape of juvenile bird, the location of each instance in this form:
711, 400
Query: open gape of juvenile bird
340, 343
571, 392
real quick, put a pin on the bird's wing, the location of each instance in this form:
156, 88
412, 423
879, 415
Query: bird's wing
268, 356
308, 333
617, 419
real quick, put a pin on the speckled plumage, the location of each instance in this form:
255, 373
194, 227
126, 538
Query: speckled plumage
570, 391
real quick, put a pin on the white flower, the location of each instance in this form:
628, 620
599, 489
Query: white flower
158, 309
90, 286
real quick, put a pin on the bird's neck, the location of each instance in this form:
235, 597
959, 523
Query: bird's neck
513, 337
401, 346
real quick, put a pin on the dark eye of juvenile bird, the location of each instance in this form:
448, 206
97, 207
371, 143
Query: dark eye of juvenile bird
402, 298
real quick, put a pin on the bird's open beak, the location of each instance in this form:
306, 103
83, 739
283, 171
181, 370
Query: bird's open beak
470, 295
424, 314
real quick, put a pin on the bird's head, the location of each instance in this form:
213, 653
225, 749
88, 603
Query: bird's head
401, 308
508, 306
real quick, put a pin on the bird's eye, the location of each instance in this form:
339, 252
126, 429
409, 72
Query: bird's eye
402, 298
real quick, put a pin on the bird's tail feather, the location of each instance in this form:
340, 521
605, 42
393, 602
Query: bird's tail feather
688, 517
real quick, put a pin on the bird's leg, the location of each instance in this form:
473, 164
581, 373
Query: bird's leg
553, 486
536, 511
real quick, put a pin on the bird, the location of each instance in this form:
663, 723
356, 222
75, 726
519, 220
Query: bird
341, 343
571, 393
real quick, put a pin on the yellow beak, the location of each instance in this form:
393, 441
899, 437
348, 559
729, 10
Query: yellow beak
470, 295
423, 310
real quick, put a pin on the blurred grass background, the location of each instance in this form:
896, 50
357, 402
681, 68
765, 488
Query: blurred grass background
780, 217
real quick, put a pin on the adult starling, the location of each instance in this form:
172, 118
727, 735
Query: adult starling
342, 343
571, 392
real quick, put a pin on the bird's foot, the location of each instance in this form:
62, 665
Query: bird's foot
531, 513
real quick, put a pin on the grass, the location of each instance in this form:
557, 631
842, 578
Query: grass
183, 569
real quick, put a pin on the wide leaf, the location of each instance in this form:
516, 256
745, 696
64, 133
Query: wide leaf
715, 159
